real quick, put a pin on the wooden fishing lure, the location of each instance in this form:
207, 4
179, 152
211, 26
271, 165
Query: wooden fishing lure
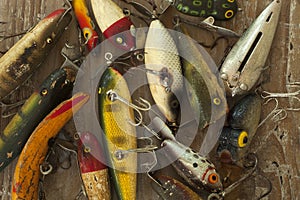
197, 170
120, 135
205, 93
172, 189
243, 65
114, 24
85, 23
26, 176
55, 88
93, 172
21, 60
243, 120
164, 72
219, 9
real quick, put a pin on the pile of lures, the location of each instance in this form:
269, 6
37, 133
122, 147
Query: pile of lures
171, 79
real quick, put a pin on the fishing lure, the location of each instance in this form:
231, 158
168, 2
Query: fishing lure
55, 88
120, 135
86, 23
93, 172
164, 72
26, 176
245, 62
114, 24
21, 60
172, 189
197, 170
243, 120
219, 9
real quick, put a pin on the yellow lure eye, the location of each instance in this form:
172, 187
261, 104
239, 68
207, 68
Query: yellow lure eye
243, 139
87, 33
230, 1
228, 14
49, 40
87, 149
119, 40
217, 101
44, 92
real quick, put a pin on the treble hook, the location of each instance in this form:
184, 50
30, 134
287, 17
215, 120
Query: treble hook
113, 96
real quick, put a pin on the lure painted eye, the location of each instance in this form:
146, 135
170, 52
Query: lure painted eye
49, 40
228, 14
44, 92
87, 149
243, 139
217, 101
230, 1
185, 9
213, 178
87, 33
119, 40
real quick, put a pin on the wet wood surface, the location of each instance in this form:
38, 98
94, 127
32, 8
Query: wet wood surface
276, 142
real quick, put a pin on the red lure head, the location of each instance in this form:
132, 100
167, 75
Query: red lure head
89, 153
120, 35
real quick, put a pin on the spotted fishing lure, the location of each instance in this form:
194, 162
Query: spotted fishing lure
219, 9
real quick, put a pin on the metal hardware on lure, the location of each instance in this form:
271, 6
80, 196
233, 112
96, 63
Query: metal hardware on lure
161, 55
205, 93
219, 9
114, 24
21, 60
26, 175
94, 173
172, 189
197, 170
243, 120
119, 135
55, 88
113, 96
86, 23
243, 65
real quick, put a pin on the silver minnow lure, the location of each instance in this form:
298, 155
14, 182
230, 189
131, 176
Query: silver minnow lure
163, 70
245, 62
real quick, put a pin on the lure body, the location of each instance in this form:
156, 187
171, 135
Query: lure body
165, 74
173, 189
56, 88
219, 9
120, 135
21, 60
205, 93
245, 62
113, 23
27, 172
85, 23
94, 173
243, 119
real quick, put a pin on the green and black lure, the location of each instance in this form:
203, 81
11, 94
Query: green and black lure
219, 9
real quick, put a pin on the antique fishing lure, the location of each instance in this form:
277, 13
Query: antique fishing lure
172, 189
120, 135
219, 9
114, 24
197, 170
21, 60
85, 23
94, 173
55, 88
164, 72
243, 65
243, 121
26, 176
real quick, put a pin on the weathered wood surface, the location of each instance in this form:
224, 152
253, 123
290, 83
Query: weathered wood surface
276, 142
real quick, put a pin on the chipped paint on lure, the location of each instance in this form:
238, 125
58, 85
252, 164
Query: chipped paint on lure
114, 24
54, 89
197, 170
172, 189
85, 23
22, 59
219, 9
243, 65
26, 176
119, 134
243, 120
94, 173
161, 55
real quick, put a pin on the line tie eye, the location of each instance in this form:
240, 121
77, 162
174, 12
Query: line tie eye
228, 14
243, 139
213, 178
